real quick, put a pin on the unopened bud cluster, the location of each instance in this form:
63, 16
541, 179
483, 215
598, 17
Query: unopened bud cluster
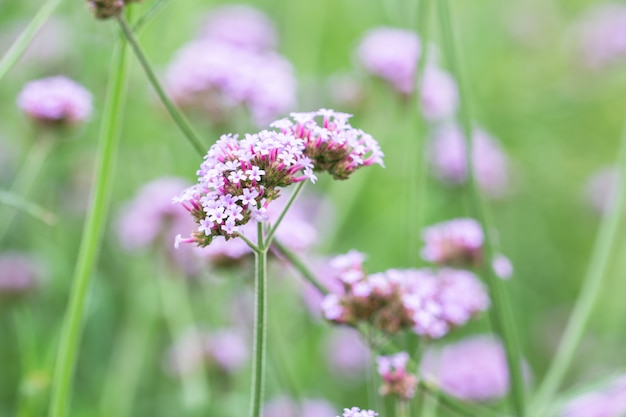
105, 9
397, 381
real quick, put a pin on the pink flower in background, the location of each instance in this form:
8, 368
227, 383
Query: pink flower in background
225, 349
55, 101
241, 25
502, 266
439, 96
608, 402
307, 407
600, 188
18, 273
397, 381
447, 159
346, 354
357, 412
473, 369
454, 242
218, 76
391, 54
601, 34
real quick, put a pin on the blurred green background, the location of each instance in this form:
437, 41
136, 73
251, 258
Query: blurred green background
557, 120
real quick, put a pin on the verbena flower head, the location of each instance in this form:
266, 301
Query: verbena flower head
391, 54
331, 142
397, 381
600, 34
306, 407
426, 302
447, 159
55, 101
456, 242
439, 97
607, 402
18, 274
241, 25
105, 9
472, 369
217, 76
239, 179
357, 412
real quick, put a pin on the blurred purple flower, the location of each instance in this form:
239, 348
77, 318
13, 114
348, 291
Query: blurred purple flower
397, 381
602, 34
218, 76
346, 354
55, 101
600, 188
473, 369
18, 273
502, 266
447, 159
285, 407
391, 54
241, 25
439, 96
609, 402
454, 242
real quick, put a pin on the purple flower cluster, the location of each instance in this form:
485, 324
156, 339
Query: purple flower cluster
334, 145
55, 101
472, 369
602, 35
357, 412
241, 25
428, 302
392, 54
397, 381
232, 64
225, 349
18, 274
448, 161
457, 242
608, 402
239, 178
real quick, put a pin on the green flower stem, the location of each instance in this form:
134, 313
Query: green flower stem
260, 325
20, 45
297, 263
178, 117
501, 311
92, 234
402, 408
17, 202
26, 178
156, 7
590, 291
429, 406
292, 198
415, 164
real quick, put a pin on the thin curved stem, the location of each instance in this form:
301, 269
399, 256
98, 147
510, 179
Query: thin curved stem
21, 43
501, 312
16, 202
92, 234
292, 198
590, 291
300, 266
178, 117
260, 326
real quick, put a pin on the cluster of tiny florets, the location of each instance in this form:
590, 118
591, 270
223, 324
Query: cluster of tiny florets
334, 145
105, 9
55, 101
239, 178
397, 381
357, 412
457, 242
428, 302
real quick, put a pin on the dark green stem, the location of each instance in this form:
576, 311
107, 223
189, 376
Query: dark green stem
92, 234
260, 325
178, 117
501, 311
